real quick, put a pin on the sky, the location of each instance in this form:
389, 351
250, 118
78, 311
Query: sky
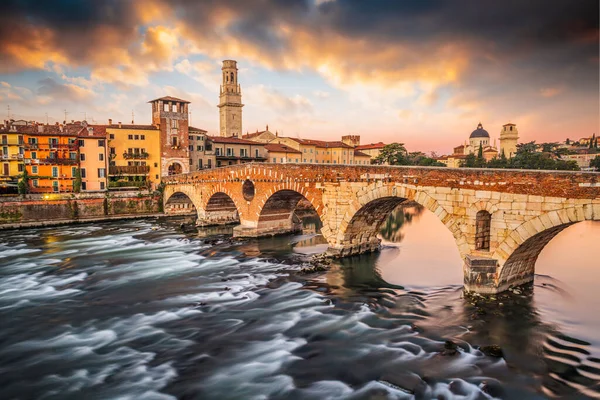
423, 73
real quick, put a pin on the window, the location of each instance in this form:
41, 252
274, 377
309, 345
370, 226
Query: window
305, 160
53, 142
198, 148
130, 137
174, 141
73, 155
256, 153
34, 154
209, 163
229, 151
101, 173
112, 150
4, 139
199, 163
281, 159
20, 167
142, 137
483, 221
81, 142
55, 172
101, 157
73, 171
100, 142
34, 169
218, 151
274, 159
166, 107
174, 124
83, 185
243, 152
191, 147
35, 183
20, 139
296, 160
111, 136
136, 137
83, 172
102, 185
305, 150
82, 157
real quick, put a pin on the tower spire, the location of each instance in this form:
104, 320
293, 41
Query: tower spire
230, 101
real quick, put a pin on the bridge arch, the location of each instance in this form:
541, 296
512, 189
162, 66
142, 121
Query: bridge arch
180, 203
277, 211
359, 227
518, 253
220, 208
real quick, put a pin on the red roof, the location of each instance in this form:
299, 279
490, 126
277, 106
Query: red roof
281, 148
358, 153
169, 98
253, 135
232, 140
321, 143
371, 146
509, 124
123, 126
192, 129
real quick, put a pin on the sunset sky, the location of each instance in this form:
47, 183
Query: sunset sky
419, 72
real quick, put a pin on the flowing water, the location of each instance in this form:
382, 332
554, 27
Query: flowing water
141, 310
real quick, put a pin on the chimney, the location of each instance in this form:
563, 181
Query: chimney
110, 121
119, 124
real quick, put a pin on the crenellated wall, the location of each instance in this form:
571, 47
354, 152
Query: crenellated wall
527, 208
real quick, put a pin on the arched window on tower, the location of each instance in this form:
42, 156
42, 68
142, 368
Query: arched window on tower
483, 221
232, 81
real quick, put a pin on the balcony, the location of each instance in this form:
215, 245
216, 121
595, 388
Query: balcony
59, 161
127, 184
129, 170
136, 156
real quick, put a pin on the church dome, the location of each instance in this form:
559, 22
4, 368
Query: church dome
479, 132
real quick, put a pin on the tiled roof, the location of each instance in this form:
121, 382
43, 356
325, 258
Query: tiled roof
371, 146
253, 135
192, 129
509, 124
169, 98
281, 148
358, 153
93, 131
142, 127
232, 140
321, 143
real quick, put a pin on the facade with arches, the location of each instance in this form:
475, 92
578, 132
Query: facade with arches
500, 219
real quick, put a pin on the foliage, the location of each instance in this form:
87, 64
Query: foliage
526, 157
23, 185
595, 163
396, 154
77, 181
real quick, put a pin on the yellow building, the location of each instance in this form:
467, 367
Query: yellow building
12, 153
361, 158
93, 158
281, 153
320, 151
134, 156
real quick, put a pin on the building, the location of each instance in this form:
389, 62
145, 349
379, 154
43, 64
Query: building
52, 158
170, 115
361, 158
478, 138
230, 102
509, 136
281, 153
12, 154
372, 150
265, 136
221, 151
134, 155
582, 157
351, 140
197, 142
453, 160
93, 158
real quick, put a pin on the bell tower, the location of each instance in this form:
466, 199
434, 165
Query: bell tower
509, 135
230, 101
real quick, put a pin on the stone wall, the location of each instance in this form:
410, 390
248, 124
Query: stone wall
75, 206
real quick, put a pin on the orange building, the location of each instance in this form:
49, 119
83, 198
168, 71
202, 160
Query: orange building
51, 158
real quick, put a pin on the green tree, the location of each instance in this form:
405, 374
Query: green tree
592, 141
595, 163
23, 185
469, 162
77, 181
393, 154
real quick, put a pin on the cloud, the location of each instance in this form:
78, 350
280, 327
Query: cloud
274, 99
65, 92
321, 94
550, 91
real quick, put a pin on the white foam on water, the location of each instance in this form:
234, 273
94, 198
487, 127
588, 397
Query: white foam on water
21, 289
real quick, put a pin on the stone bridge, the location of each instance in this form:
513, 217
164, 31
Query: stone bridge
500, 219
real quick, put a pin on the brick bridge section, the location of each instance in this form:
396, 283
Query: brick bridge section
524, 209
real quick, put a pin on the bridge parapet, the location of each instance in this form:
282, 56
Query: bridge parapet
502, 216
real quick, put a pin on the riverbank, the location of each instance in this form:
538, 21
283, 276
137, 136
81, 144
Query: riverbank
54, 223
58, 209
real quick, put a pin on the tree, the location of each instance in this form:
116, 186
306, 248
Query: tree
469, 162
595, 163
592, 141
23, 185
392, 154
77, 181
568, 141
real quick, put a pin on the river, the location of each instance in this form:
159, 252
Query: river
141, 310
